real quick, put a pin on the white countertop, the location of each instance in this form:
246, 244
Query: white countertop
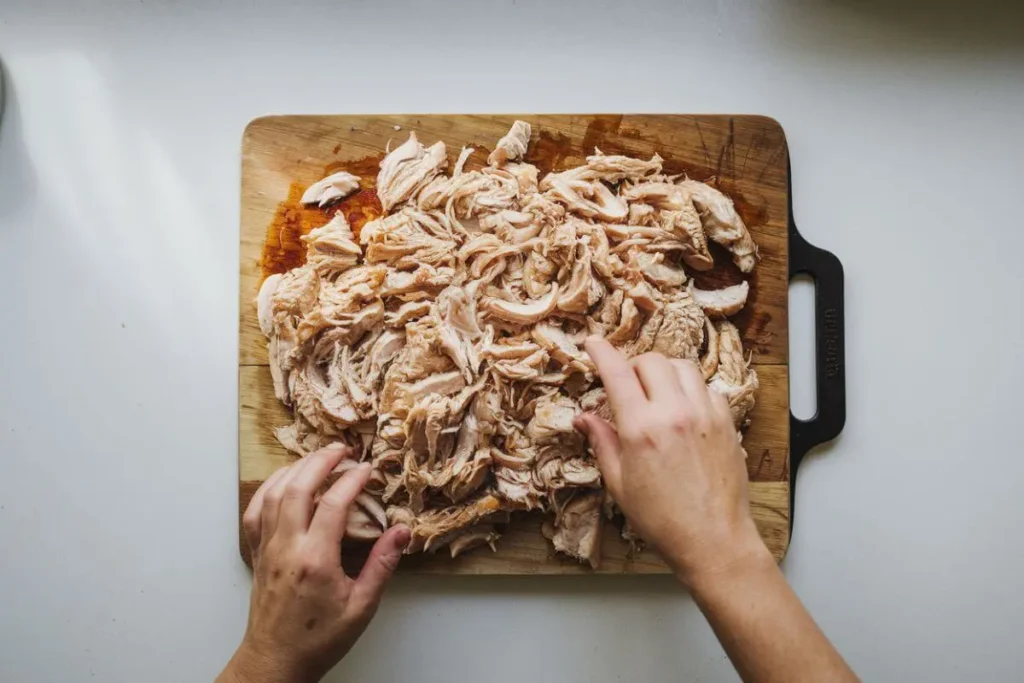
118, 262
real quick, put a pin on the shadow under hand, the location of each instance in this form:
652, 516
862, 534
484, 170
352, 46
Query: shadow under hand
18, 182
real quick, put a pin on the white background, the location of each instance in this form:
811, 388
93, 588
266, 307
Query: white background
118, 271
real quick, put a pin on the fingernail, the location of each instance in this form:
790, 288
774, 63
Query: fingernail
403, 536
365, 466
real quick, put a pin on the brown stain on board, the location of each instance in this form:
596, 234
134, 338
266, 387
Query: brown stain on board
549, 151
603, 132
366, 168
283, 248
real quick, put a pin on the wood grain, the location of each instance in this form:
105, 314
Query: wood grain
745, 155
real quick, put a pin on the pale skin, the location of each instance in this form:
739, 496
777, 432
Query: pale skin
671, 460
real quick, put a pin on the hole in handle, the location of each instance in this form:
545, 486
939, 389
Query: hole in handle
803, 387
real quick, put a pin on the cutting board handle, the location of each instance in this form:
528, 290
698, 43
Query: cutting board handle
830, 354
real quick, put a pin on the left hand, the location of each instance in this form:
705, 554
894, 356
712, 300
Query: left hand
305, 614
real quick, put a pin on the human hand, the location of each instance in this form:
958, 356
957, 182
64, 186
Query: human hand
673, 462
305, 614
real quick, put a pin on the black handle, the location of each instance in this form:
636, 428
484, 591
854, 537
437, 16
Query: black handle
830, 354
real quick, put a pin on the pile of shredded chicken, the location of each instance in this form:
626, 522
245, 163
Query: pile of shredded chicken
443, 343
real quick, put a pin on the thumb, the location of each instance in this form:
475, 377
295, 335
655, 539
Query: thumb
380, 565
605, 442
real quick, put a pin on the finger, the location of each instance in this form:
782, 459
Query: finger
625, 394
331, 515
605, 442
720, 406
379, 568
658, 377
297, 506
272, 502
691, 379
251, 519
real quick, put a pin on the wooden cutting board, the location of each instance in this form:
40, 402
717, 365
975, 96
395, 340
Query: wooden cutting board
746, 155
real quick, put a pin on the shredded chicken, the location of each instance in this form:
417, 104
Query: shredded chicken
444, 343
332, 188
513, 146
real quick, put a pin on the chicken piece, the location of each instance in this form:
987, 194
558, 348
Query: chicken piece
436, 528
401, 242
384, 350
610, 310
408, 169
347, 326
643, 295
660, 195
583, 289
642, 214
722, 224
685, 224
577, 531
629, 324
596, 401
562, 348
460, 163
441, 383
525, 175
366, 519
538, 271
318, 393
468, 477
588, 199
720, 303
660, 273
608, 168
418, 360
332, 188
614, 168
529, 368
505, 349
299, 438
424, 424
334, 237
618, 231
424, 278
734, 379
522, 313
512, 146
264, 307
434, 195
682, 330
516, 488
573, 472
519, 452
406, 313
473, 537
552, 421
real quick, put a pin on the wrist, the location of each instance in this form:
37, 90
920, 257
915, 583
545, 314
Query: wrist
250, 665
724, 579
722, 560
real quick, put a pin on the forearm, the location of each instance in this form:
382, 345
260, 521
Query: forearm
764, 628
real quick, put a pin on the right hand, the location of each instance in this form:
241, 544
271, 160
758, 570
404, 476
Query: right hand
673, 462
